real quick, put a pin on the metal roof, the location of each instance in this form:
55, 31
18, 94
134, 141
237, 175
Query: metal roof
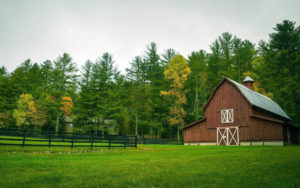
260, 100
248, 79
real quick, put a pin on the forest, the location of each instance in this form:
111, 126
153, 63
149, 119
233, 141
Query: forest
157, 94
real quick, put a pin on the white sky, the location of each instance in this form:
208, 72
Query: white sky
41, 30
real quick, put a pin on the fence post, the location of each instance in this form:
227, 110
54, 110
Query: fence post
125, 143
263, 141
108, 142
92, 142
135, 141
72, 140
49, 136
24, 138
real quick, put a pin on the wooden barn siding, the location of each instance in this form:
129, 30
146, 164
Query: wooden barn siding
266, 130
244, 133
260, 112
227, 97
199, 133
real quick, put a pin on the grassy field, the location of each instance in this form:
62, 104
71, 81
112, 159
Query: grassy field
151, 166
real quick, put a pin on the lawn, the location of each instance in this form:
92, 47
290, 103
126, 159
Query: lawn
151, 166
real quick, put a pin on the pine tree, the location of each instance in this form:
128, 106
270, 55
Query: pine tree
281, 57
198, 90
63, 83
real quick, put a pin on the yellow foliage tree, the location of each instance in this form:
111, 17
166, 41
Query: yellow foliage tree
38, 115
28, 112
177, 72
66, 105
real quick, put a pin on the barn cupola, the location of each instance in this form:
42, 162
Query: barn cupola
248, 82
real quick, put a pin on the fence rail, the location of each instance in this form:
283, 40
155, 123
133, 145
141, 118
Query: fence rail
159, 141
16, 137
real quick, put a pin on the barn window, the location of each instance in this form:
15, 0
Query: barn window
227, 116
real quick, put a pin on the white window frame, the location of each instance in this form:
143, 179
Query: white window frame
227, 116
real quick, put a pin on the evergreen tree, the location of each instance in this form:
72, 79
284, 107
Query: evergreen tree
167, 56
102, 81
198, 90
154, 75
5, 98
63, 83
85, 108
281, 59
136, 74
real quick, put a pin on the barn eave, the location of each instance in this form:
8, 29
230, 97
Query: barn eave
194, 123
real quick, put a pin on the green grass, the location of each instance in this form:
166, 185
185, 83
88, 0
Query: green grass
151, 166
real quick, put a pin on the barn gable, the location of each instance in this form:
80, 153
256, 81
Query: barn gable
254, 98
227, 99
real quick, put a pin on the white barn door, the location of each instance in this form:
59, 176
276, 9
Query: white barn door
228, 136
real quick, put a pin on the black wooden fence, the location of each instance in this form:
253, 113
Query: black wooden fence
168, 141
17, 137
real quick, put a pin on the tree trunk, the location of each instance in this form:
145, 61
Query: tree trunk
136, 124
196, 98
57, 124
102, 128
157, 133
97, 127
178, 134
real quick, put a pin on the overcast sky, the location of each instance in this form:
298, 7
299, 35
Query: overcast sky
41, 30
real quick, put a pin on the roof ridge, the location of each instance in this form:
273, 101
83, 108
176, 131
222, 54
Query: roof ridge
251, 90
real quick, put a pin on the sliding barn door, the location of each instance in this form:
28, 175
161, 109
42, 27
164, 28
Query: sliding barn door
228, 136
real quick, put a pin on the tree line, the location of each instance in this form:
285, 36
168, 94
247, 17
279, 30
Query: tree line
158, 94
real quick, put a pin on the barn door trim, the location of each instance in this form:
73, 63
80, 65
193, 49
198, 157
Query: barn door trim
228, 135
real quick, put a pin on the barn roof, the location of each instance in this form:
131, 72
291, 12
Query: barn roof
259, 100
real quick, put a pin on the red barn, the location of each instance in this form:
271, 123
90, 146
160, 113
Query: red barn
237, 115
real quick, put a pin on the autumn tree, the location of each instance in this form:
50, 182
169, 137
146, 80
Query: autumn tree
177, 72
28, 113
66, 105
38, 115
